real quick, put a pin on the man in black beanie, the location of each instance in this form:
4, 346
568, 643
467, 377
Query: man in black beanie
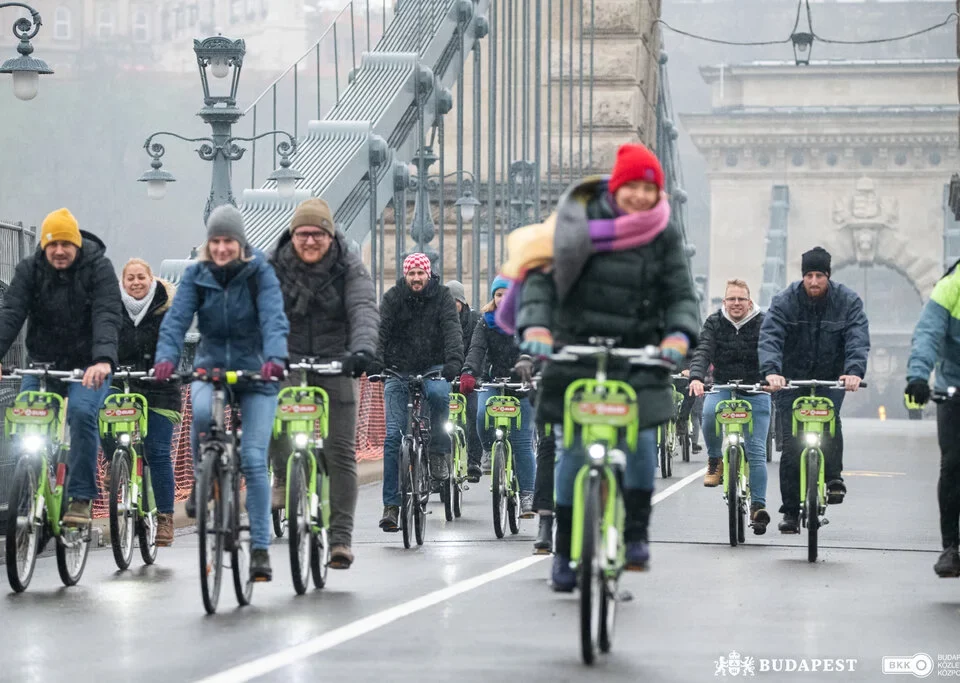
814, 329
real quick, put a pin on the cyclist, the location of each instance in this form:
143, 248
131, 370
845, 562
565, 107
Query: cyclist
146, 300
691, 409
468, 323
728, 341
936, 345
617, 268
68, 293
419, 332
493, 353
329, 300
814, 329
236, 297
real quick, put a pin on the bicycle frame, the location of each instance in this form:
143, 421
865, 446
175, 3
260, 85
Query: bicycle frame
812, 417
734, 422
455, 427
502, 415
123, 418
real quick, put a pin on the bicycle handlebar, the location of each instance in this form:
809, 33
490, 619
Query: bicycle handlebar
755, 388
331, 368
37, 372
807, 383
648, 356
505, 383
409, 379
950, 394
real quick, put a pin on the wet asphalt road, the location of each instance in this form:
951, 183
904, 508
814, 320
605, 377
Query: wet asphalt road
872, 594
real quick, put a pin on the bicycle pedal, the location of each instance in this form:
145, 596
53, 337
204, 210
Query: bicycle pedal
824, 521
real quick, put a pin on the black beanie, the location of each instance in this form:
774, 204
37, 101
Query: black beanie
817, 259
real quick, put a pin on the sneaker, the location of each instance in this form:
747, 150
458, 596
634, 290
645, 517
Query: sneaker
473, 474
278, 495
164, 537
948, 566
697, 448
526, 506
544, 543
790, 523
391, 518
759, 519
260, 565
485, 462
835, 492
714, 472
638, 556
190, 507
78, 513
341, 557
563, 579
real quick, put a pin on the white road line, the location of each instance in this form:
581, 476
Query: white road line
264, 665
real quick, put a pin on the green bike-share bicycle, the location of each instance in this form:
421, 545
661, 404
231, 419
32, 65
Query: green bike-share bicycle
602, 417
303, 417
133, 510
38, 491
503, 416
734, 418
813, 416
456, 427
669, 441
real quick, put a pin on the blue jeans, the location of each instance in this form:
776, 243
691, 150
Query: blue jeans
395, 397
639, 474
258, 410
521, 440
83, 420
756, 440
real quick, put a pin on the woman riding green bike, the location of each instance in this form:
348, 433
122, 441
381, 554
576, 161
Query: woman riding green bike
236, 297
608, 263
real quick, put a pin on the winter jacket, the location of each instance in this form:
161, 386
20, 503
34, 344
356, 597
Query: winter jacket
468, 323
236, 333
936, 339
420, 330
732, 352
804, 338
342, 316
492, 354
137, 347
73, 316
637, 295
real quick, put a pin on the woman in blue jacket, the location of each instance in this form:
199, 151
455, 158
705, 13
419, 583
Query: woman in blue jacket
236, 297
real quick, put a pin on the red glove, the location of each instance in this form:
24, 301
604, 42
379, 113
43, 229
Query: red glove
163, 370
467, 383
271, 370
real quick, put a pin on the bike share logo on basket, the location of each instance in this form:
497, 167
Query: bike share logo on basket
737, 664
30, 412
509, 409
298, 408
814, 412
734, 416
605, 409
120, 412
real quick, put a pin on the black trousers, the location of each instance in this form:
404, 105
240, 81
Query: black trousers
948, 488
546, 459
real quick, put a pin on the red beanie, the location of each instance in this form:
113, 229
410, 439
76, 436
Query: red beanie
635, 162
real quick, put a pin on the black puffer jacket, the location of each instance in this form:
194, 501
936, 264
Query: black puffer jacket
637, 295
138, 346
73, 316
492, 354
342, 316
420, 330
732, 352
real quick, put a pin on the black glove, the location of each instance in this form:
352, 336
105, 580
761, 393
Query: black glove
451, 371
358, 363
918, 390
525, 368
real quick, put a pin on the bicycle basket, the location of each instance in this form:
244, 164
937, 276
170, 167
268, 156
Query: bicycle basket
123, 414
503, 411
600, 412
300, 410
34, 412
734, 412
458, 409
816, 411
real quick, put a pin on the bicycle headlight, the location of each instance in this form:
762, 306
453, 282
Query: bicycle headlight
448, 427
301, 440
33, 443
733, 439
812, 439
597, 452
499, 433
124, 439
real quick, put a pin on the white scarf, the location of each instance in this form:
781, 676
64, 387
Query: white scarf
137, 308
747, 318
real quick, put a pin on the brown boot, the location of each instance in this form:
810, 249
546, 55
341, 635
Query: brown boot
341, 557
714, 472
164, 530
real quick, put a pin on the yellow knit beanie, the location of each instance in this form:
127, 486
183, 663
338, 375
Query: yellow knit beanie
60, 226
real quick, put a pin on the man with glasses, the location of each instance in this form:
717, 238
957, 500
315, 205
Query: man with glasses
728, 341
329, 299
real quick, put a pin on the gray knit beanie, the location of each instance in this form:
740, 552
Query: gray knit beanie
456, 289
226, 221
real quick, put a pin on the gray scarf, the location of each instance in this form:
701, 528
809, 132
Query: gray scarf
747, 318
301, 281
137, 308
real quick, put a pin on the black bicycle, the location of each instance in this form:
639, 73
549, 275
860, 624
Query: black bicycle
414, 460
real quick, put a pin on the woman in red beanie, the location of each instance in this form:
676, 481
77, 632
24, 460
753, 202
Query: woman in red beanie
618, 270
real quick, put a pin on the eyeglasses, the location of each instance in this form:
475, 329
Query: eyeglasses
736, 300
316, 236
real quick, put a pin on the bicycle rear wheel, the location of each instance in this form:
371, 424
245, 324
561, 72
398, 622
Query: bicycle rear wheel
460, 472
121, 509
240, 545
812, 503
406, 493
147, 522
421, 482
498, 469
210, 531
298, 520
663, 452
591, 574
733, 493
23, 529
513, 502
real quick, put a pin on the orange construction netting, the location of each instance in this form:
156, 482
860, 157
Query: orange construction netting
371, 429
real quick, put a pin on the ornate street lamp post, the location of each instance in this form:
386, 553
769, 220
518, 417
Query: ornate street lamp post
26, 70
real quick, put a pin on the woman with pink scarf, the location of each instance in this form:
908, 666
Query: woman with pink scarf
608, 263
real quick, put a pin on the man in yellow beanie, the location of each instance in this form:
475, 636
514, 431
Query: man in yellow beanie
67, 292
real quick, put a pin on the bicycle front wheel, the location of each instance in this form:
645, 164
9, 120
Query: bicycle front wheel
121, 509
664, 452
210, 530
591, 573
498, 468
23, 527
732, 482
240, 545
73, 546
421, 482
406, 493
812, 503
147, 523
299, 522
